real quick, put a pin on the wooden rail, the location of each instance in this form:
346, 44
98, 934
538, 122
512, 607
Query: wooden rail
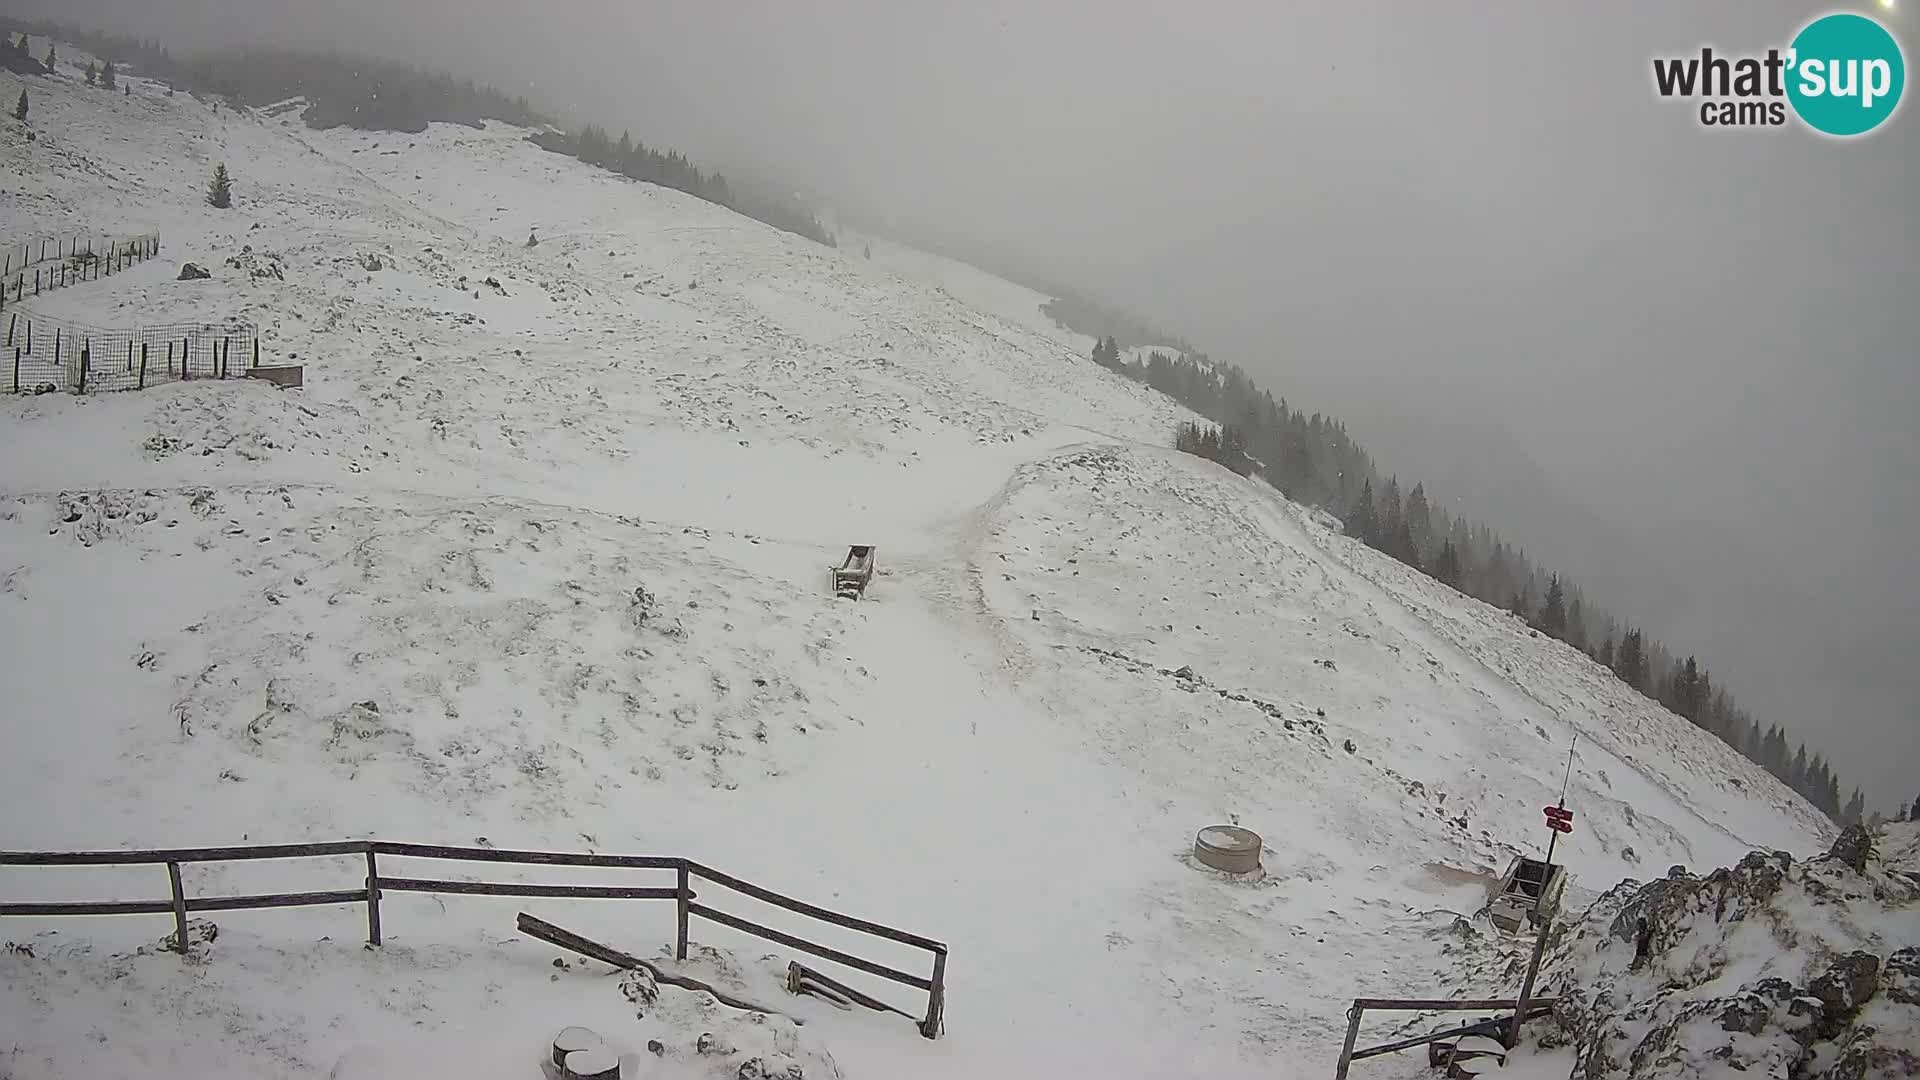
1525, 1007
369, 893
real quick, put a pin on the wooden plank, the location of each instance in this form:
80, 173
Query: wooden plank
820, 913
804, 945
572, 942
276, 900
180, 855
1440, 1004
117, 907
538, 858
510, 888
1475, 1028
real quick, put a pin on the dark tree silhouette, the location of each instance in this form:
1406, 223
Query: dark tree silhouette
220, 188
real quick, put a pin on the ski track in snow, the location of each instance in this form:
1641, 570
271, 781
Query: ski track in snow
402, 602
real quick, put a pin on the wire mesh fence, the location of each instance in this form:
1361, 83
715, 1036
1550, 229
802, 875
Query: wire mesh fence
49, 355
31, 267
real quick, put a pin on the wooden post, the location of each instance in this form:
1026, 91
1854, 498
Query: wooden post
256, 351
685, 894
1526, 986
56, 344
86, 354
142, 384
1346, 1052
373, 900
169, 359
16, 370
226, 354
936, 999
11, 323
129, 356
179, 908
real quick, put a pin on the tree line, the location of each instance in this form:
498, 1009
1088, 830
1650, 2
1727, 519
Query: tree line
377, 95
668, 168
1312, 460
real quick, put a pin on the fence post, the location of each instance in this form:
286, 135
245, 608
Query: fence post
142, 384
256, 352
1346, 1052
226, 354
936, 998
11, 323
169, 359
36, 283
16, 371
1526, 986
86, 354
373, 900
129, 356
179, 908
683, 894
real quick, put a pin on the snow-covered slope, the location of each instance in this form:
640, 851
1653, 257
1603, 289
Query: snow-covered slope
544, 562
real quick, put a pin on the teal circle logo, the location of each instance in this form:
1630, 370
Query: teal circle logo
1846, 74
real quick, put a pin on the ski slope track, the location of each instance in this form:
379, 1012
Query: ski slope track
544, 564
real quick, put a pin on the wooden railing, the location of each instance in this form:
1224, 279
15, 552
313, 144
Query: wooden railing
681, 892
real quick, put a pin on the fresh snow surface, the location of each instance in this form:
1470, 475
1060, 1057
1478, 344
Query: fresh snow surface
402, 602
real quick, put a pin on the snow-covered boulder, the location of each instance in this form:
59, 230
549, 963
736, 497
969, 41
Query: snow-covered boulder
1770, 968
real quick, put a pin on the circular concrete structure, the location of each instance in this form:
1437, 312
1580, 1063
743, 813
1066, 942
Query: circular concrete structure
1229, 848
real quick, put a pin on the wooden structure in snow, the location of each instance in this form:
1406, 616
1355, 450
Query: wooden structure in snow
1530, 890
850, 578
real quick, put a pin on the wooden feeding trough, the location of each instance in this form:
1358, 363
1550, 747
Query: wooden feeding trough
1229, 848
851, 578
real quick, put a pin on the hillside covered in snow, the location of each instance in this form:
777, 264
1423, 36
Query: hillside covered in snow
538, 558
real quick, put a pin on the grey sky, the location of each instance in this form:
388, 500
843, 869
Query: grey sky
1680, 365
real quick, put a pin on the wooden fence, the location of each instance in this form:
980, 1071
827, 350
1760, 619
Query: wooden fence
32, 267
686, 871
74, 358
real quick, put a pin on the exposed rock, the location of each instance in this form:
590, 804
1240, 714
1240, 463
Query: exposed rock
1900, 980
1845, 986
1854, 847
193, 272
639, 988
1638, 979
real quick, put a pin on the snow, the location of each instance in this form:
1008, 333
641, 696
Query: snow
401, 602
1223, 838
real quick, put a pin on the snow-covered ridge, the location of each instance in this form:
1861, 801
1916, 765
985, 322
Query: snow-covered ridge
563, 515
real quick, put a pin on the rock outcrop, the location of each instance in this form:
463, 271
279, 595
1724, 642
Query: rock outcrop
1771, 968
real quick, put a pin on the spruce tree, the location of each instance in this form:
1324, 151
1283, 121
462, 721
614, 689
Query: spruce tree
107, 76
50, 58
1553, 613
1856, 808
93, 74
220, 189
1419, 522
1361, 523
1447, 566
1915, 816
20, 108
